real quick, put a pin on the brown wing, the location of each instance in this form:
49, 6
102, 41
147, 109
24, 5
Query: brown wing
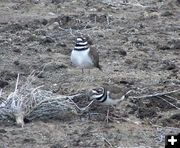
95, 57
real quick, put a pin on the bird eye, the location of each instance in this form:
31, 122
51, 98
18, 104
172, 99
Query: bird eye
99, 90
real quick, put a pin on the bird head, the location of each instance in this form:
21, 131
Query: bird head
79, 39
96, 93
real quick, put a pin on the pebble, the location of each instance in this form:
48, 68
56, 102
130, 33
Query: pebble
53, 26
46, 40
51, 13
35, 1
15, 49
3, 83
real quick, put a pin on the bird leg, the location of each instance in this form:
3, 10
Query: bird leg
107, 115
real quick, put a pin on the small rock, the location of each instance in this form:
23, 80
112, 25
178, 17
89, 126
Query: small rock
44, 22
99, 18
49, 50
15, 49
41, 75
61, 45
32, 38
175, 43
124, 82
167, 13
57, 1
51, 13
35, 1
150, 15
32, 49
25, 32
55, 66
176, 117
56, 146
46, 40
121, 52
101, 35
29, 140
165, 47
168, 65
16, 62
53, 26
3, 131
40, 32
1, 41
3, 83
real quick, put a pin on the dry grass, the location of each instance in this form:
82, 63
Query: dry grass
33, 102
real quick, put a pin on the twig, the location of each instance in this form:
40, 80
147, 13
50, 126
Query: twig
131, 4
166, 127
17, 81
125, 95
154, 95
44, 66
36, 88
108, 22
97, 135
67, 30
0, 92
168, 102
105, 140
70, 31
170, 97
84, 108
86, 25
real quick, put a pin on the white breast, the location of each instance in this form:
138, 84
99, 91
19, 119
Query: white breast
81, 58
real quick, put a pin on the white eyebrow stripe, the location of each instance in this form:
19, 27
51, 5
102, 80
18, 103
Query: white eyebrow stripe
79, 39
81, 43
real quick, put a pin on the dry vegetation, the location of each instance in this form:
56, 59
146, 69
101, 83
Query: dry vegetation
139, 46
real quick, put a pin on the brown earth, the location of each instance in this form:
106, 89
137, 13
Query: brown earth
139, 47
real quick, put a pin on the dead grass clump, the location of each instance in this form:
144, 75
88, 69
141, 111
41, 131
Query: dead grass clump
33, 102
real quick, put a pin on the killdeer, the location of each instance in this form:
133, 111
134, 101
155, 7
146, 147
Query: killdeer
83, 56
104, 96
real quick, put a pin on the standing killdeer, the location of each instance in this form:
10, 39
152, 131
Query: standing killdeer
83, 56
104, 96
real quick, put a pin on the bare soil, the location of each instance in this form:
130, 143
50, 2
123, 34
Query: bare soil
139, 47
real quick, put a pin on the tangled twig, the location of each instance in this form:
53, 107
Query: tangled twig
32, 102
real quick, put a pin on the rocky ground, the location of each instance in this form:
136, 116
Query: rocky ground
139, 47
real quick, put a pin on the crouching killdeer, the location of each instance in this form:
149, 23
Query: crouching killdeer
83, 56
104, 96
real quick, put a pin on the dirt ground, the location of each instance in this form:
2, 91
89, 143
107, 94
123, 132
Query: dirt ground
139, 48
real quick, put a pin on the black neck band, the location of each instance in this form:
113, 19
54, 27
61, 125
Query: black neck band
81, 49
103, 97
